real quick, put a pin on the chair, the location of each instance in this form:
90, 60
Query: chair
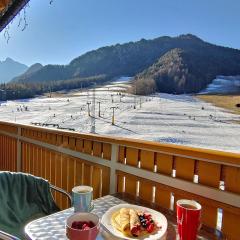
23, 198
6, 236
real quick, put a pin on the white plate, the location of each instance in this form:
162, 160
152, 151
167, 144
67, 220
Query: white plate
157, 216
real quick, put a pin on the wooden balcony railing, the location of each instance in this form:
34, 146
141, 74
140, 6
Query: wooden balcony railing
158, 173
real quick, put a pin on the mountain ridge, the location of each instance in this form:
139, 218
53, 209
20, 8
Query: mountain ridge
10, 68
33, 68
133, 58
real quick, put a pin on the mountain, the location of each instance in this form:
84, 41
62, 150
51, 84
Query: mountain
173, 64
10, 69
181, 71
31, 70
189, 70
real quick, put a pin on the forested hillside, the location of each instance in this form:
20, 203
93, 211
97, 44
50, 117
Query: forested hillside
167, 64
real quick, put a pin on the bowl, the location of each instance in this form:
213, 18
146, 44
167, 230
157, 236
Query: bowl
76, 234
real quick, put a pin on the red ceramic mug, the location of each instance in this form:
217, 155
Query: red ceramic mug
188, 219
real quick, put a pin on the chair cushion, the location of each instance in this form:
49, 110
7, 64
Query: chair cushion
22, 198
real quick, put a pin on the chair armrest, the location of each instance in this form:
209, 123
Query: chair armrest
7, 236
63, 192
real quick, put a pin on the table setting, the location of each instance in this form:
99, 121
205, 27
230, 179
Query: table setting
110, 217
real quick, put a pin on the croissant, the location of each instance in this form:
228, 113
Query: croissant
124, 219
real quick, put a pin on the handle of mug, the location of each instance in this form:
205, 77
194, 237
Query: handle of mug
200, 222
200, 226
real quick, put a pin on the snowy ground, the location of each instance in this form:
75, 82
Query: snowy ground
179, 119
223, 85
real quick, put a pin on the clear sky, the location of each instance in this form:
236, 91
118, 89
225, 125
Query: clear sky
59, 32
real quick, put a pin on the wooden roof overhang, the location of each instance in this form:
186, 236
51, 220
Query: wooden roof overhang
9, 9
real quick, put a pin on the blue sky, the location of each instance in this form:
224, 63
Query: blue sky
59, 32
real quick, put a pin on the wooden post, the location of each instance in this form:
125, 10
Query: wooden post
19, 150
88, 103
113, 117
114, 159
99, 112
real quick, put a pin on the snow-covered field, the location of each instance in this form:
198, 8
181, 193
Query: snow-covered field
179, 119
223, 85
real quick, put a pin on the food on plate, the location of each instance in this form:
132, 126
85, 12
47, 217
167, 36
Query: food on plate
82, 225
124, 219
133, 223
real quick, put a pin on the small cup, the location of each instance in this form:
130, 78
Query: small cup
82, 198
188, 219
76, 234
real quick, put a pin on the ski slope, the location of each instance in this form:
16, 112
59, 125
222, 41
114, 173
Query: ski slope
178, 119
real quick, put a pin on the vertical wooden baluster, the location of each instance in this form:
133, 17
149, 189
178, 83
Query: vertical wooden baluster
131, 185
65, 166
71, 174
72, 143
121, 154
120, 183
184, 168
53, 171
79, 145
107, 151
88, 147
132, 156
30, 156
96, 181
146, 191
87, 175
209, 174
147, 160
58, 167
78, 175
105, 180
164, 164
97, 149
231, 220
163, 196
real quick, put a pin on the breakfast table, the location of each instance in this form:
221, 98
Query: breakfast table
53, 226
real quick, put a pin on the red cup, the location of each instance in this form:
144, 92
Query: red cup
188, 219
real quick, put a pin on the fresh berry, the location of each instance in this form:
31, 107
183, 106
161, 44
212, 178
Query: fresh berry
147, 222
144, 225
74, 224
82, 225
147, 215
150, 228
135, 231
86, 228
91, 224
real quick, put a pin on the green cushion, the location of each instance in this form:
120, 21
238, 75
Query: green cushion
23, 197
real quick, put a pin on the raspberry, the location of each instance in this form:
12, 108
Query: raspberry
74, 224
147, 222
150, 228
86, 228
84, 225
91, 224
135, 231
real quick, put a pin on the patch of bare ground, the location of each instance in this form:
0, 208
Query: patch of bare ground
229, 102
